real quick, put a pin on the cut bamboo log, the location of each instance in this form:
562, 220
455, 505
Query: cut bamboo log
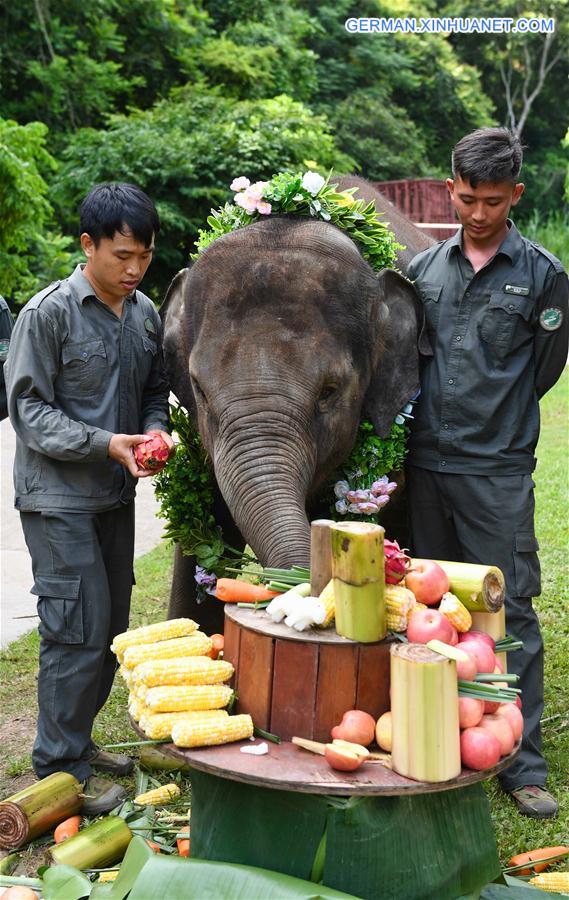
39, 808
96, 846
493, 624
320, 555
424, 708
358, 570
480, 588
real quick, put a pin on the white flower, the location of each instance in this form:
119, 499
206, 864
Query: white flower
312, 182
239, 184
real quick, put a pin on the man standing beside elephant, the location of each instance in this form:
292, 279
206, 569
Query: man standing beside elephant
496, 306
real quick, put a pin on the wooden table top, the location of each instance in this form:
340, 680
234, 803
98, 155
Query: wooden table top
288, 768
258, 620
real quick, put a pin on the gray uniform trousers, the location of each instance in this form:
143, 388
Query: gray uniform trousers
490, 520
82, 567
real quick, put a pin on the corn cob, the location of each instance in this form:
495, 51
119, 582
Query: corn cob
138, 709
196, 644
400, 602
158, 726
176, 698
107, 876
189, 670
455, 612
552, 882
326, 597
148, 634
126, 676
207, 734
159, 796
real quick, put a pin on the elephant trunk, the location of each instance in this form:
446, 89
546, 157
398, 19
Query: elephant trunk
263, 468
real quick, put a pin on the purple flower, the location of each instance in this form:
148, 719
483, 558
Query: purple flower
381, 501
206, 579
342, 507
355, 508
341, 488
367, 509
383, 486
359, 496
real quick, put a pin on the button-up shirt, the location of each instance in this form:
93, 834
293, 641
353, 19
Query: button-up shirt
76, 374
500, 339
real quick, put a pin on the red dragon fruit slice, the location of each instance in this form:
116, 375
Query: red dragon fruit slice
396, 562
152, 454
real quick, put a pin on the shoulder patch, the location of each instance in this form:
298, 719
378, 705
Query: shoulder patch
551, 318
556, 263
37, 298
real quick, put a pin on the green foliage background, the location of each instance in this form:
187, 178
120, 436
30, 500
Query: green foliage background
180, 97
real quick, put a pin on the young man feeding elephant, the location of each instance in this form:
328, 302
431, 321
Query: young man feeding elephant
496, 306
85, 381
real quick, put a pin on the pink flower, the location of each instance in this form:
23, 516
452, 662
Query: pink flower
239, 184
256, 190
263, 207
249, 204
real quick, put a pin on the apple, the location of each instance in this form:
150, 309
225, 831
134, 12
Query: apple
383, 731
466, 666
342, 759
518, 702
491, 706
356, 726
511, 712
363, 752
427, 580
480, 636
501, 729
429, 624
498, 667
470, 711
482, 652
479, 748
454, 637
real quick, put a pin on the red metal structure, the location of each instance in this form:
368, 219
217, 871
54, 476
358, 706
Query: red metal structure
425, 201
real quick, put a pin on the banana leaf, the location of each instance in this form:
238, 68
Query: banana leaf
65, 881
196, 879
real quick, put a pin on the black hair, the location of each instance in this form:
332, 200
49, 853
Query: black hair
109, 207
488, 155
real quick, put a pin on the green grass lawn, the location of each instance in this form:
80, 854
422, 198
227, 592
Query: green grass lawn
514, 833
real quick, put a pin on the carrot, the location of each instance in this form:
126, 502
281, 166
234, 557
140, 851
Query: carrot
217, 647
154, 846
67, 829
551, 854
231, 590
184, 843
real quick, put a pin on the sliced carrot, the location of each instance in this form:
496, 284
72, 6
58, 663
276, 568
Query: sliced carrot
551, 854
184, 843
231, 590
217, 645
67, 829
154, 846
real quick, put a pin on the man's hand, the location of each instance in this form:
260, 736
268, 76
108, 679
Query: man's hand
121, 450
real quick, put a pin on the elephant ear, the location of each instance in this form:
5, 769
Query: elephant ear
401, 340
176, 347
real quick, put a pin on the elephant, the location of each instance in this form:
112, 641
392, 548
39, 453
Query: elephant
277, 340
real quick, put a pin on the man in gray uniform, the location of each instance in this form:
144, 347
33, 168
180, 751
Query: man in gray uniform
85, 381
6, 326
496, 306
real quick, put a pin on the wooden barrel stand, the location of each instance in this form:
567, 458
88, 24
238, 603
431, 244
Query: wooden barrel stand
301, 683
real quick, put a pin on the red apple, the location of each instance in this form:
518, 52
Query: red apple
511, 712
479, 635
502, 730
454, 638
470, 711
518, 703
342, 759
427, 580
358, 749
479, 748
466, 667
491, 706
482, 652
498, 667
428, 624
356, 726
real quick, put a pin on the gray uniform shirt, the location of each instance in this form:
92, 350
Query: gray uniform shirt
500, 342
76, 374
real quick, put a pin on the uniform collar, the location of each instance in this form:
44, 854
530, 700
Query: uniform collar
510, 246
83, 289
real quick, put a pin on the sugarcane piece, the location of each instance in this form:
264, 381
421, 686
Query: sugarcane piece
493, 624
152, 758
320, 555
328, 601
479, 588
39, 808
159, 796
359, 580
98, 845
424, 707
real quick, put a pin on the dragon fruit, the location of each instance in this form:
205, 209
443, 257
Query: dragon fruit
396, 562
152, 454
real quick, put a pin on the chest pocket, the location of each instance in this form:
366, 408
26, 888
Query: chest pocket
144, 351
505, 322
84, 367
430, 296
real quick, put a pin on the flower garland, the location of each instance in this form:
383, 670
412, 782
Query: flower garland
186, 486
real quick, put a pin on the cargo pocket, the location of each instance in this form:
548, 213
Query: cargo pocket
505, 323
60, 608
85, 369
526, 564
430, 296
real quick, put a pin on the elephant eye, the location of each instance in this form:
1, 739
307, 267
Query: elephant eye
327, 393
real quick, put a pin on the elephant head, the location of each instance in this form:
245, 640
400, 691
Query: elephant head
276, 339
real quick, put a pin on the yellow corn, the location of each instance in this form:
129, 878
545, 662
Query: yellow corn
206, 734
126, 676
159, 796
400, 602
148, 634
137, 708
456, 613
107, 876
175, 698
158, 726
552, 882
196, 644
328, 600
189, 670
